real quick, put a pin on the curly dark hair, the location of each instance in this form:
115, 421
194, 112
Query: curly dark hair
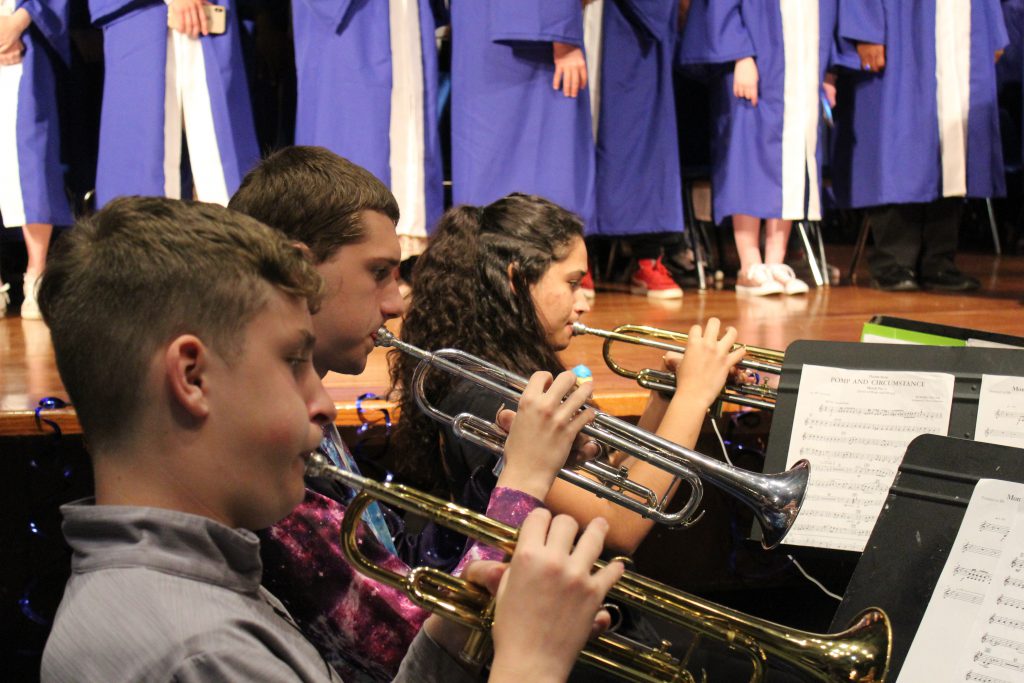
463, 297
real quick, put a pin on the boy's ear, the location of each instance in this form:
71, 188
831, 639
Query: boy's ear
186, 360
511, 275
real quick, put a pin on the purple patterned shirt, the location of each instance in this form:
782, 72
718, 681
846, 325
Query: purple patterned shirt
362, 627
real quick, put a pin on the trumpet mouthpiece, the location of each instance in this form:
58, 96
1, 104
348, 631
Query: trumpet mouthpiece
383, 337
579, 328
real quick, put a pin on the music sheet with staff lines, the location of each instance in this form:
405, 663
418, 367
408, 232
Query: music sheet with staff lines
973, 628
854, 427
1001, 410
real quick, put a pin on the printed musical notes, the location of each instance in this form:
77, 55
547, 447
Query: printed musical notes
1001, 410
981, 593
854, 426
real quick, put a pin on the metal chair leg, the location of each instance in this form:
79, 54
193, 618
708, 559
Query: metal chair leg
858, 251
993, 226
694, 236
822, 257
812, 260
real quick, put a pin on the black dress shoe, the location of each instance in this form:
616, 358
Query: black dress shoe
895, 279
950, 281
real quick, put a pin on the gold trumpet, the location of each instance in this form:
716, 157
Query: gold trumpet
775, 498
758, 359
861, 653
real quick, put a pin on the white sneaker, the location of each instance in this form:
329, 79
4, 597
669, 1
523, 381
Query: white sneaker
760, 282
785, 276
30, 306
5, 298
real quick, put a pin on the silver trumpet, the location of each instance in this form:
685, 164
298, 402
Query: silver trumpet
775, 499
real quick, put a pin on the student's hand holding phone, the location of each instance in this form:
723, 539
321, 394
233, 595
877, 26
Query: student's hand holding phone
188, 17
543, 431
745, 79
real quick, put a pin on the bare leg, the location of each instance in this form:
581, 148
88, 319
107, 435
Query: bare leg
37, 243
776, 238
775, 242
747, 230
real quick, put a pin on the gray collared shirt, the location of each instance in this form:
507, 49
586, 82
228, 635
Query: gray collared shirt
160, 595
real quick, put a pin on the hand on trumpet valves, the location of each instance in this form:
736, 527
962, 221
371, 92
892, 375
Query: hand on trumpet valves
544, 431
709, 358
548, 598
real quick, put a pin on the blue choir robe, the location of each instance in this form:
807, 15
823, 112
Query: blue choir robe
131, 150
511, 132
888, 144
345, 67
37, 189
639, 187
766, 159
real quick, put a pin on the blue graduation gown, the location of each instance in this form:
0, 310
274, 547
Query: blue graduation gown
131, 152
37, 126
638, 179
343, 63
887, 144
754, 172
511, 132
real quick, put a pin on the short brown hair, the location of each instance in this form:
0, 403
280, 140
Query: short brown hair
314, 196
144, 270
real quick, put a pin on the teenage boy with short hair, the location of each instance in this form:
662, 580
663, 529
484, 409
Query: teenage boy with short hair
347, 217
183, 335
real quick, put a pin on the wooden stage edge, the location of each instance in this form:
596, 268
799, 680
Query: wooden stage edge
28, 370
350, 414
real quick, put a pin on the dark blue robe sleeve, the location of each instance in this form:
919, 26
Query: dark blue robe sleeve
334, 12
996, 26
546, 21
104, 11
715, 33
860, 21
863, 21
1009, 69
653, 17
50, 17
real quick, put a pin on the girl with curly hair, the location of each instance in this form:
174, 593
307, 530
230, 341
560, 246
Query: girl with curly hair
502, 282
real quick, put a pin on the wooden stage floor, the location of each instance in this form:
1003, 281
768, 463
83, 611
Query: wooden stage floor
28, 372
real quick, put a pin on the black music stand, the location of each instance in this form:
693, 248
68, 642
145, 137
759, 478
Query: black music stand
914, 533
967, 364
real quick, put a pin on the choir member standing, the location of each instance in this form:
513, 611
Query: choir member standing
33, 35
159, 80
367, 90
520, 109
767, 153
639, 187
919, 130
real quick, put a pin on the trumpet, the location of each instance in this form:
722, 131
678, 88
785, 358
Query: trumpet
775, 499
860, 653
758, 359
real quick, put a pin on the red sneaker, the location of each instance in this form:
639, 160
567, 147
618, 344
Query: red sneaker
587, 285
653, 279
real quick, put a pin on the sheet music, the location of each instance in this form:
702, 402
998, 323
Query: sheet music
854, 426
982, 584
1001, 411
